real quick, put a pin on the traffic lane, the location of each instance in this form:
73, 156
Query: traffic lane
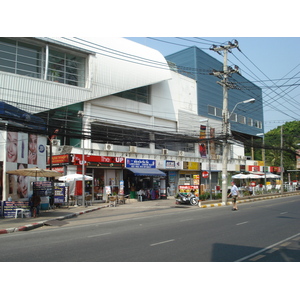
118, 214
173, 237
287, 250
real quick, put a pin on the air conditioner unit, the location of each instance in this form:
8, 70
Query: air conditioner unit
109, 147
248, 157
55, 142
133, 149
239, 157
181, 153
164, 151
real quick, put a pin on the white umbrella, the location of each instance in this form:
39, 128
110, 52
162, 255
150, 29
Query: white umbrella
240, 176
75, 177
271, 175
254, 176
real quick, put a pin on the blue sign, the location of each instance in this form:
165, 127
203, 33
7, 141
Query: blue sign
140, 163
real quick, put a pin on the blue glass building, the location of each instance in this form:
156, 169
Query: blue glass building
247, 119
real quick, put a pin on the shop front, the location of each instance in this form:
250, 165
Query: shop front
106, 171
189, 178
143, 180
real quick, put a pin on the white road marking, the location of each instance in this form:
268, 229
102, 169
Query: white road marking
168, 241
267, 248
242, 223
96, 235
283, 213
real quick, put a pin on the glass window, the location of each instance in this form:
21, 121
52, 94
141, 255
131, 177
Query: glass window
241, 119
233, 117
218, 112
7, 55
29, 60
211, 110
140, 94
250, 122
20, 58
66, 68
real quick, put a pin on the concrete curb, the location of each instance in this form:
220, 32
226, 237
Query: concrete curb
41, 223
242, 201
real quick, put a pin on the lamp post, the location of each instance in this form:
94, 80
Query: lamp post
226, 132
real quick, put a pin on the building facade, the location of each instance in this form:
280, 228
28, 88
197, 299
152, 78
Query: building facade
118, 111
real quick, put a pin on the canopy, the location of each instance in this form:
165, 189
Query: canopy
75, 177
35, 172
146, 172
271, 175
246, 176
240, 176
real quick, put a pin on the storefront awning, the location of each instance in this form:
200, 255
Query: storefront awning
146, 172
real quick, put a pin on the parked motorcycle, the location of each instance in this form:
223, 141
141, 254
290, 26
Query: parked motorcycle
190, 198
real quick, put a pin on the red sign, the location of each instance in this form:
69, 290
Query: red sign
205, 174
60, 159
98, 160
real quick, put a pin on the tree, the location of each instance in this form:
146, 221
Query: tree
291, 139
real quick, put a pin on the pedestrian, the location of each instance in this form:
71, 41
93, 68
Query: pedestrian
35, 204
234, 193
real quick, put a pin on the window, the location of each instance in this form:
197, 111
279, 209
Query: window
218, 112
257, 124
211, 110
27, 59
241, 119
140, 94
215, 111
66, 68
20, 58
233, 117
250, 122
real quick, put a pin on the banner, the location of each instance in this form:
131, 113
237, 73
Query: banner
202, 146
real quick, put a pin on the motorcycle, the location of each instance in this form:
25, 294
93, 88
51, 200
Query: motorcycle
190, 198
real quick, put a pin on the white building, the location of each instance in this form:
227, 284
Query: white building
113, 98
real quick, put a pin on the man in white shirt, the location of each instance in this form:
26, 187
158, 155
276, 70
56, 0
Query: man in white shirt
234, 193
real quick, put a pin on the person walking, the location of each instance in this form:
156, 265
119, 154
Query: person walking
234, 193
35, 204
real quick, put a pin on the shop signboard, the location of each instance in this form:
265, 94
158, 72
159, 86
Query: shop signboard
121, 191
140, 163
9, 207
63, 159
170, 164
60, 192
42, 188
191, 165
99, 161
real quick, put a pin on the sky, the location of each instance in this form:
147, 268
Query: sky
267, 32
272, 63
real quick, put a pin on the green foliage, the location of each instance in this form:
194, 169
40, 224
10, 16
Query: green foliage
291, 137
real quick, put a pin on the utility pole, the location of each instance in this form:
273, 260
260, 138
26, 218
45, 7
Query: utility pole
225, 126
281, 159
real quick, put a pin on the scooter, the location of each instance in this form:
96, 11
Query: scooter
190, 198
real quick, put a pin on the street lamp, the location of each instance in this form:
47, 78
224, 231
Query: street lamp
226, 118
252, 100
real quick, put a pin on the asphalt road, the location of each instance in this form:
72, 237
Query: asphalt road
268, 230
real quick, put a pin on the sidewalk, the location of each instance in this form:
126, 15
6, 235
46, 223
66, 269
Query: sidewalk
10, 225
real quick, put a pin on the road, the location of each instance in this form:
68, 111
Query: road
266, 230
